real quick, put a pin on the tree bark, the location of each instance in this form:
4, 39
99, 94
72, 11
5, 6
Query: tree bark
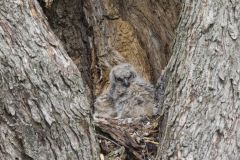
201, 100
69, 24
44, 110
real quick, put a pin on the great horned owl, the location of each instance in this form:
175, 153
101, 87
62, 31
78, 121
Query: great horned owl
132, 96
129, 96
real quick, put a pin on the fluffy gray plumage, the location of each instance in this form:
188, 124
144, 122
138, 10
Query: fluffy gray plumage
121, 77
131, 96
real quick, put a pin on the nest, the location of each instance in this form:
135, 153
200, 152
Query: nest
123, 139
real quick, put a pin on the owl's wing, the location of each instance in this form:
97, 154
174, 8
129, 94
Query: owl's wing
103, 106
143, 86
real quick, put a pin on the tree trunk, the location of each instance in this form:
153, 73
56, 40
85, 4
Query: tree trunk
68, 22
201, 105
44, 110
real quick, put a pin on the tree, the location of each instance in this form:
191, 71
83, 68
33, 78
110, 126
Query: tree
44, 110
45, 107
201, 100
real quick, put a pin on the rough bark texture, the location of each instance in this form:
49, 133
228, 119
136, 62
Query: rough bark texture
133, 31
201, 106
44, 111
68, 22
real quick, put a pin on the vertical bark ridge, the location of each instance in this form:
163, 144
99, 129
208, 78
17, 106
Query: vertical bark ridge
202, 99
69, 24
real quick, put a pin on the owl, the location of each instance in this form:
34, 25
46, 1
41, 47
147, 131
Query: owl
121, 77
132, 96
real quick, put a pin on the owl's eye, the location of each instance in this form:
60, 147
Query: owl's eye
119, 79
132, 75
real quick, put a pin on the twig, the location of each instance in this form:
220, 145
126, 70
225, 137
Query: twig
101, 136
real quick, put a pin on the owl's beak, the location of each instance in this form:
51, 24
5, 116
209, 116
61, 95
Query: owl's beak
126, 83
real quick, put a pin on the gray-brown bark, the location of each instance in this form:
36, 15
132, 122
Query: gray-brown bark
68, 22
201, 105
44, 111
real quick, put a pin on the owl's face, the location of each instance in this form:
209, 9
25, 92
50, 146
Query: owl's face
123, 75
